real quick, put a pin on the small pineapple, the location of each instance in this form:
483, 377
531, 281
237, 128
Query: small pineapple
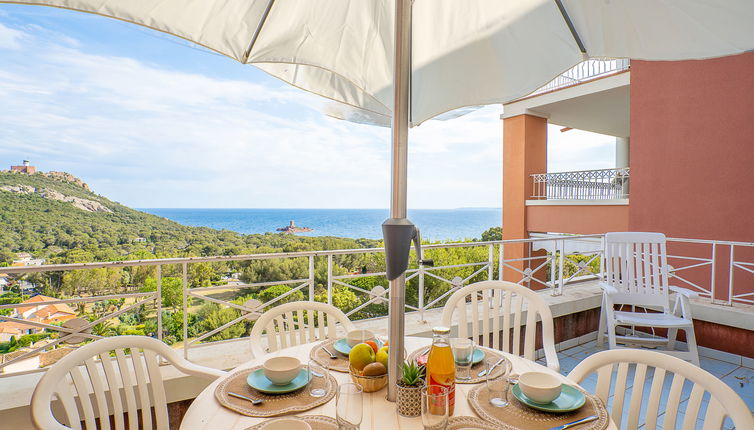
412, 374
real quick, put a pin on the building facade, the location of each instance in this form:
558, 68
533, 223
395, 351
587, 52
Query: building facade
684, 133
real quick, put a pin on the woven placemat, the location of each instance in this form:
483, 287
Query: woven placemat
475, 368
319, 355
464, 423
274, 404
317, 422
517, 416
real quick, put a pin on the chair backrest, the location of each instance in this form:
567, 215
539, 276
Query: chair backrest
636, 266
666, 382
295, 323
495, 310
103, 379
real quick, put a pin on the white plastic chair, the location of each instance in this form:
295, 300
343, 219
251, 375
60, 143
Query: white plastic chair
492, 307
92, 381
636, 275
295, 323
652, 372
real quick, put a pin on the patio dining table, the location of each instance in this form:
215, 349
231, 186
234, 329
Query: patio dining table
206, 413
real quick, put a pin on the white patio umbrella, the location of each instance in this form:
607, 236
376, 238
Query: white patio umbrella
404, 62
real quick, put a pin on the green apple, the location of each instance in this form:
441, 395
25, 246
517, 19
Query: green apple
382, 356
361, 355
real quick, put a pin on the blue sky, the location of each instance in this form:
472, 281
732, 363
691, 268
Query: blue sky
153, 121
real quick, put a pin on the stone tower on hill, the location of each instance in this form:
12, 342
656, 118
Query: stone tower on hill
25, 168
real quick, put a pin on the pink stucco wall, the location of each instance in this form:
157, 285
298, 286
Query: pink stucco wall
692, 160
692, 148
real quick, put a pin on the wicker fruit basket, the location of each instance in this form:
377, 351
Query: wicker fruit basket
369, 384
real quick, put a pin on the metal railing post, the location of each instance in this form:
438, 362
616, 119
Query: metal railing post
712, 280
560, 269
500, 261
421, 292
185, 311
311, 278
329, 279
730, 275
490, 262
159, 302
553, 267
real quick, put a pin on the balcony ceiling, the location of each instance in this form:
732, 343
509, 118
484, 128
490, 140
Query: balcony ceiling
600, 106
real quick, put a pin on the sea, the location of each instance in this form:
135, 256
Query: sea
435, 224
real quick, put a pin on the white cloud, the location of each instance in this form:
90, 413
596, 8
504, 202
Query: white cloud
151, 136
10, 38
157, 135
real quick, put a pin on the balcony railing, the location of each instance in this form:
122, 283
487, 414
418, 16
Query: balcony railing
604, 184
585, 71
179, 314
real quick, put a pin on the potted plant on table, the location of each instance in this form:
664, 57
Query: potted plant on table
409, 387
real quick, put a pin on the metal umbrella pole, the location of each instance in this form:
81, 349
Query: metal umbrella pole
398, 230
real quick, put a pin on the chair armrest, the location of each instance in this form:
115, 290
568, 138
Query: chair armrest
607, 288
684, 292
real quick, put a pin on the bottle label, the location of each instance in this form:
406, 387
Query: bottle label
450, 385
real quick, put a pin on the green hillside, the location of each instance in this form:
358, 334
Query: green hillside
32, 221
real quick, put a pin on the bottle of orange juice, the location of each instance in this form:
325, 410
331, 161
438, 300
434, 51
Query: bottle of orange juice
441, 368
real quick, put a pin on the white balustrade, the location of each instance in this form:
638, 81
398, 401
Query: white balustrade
561, 260
602, 184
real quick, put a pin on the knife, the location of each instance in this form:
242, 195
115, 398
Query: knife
575, 423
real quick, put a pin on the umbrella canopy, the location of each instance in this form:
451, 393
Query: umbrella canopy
402, 62
464, 52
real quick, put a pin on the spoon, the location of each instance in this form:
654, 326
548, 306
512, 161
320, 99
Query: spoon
252, 400
484, 372
575, 423
332, 356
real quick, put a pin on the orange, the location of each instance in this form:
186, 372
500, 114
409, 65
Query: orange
373, 344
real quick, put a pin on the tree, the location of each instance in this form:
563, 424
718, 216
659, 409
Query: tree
172, 322
343, 298
275, 291
201, 275
213, 316
91, 281
172, 290
492, 233
275, 270
6, 257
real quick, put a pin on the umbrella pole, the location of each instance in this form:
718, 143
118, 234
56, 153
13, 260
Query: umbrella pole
399, 173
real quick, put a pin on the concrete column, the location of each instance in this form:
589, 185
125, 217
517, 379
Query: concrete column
524, 153
622, 145
622, 158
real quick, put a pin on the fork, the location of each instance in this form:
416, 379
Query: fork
250, 399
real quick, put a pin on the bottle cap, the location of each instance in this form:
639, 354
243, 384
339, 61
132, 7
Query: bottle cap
441, 330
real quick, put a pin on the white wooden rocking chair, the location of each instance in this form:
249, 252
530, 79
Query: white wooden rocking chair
636, 275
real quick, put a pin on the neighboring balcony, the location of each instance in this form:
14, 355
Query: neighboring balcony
580, 202
603, 184
584, 72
